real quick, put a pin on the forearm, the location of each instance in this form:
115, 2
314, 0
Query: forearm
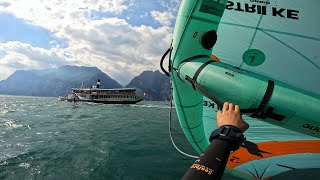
212, 163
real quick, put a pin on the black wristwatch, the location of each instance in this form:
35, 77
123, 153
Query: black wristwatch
229, 133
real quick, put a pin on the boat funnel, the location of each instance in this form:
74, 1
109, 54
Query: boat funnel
98, 83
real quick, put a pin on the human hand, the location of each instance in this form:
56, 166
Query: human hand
231, 115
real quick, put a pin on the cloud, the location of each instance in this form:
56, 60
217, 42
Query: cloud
23, 56
54, 15
171, 5
30, 57
4, 4
112, 44
119, 49
164, 18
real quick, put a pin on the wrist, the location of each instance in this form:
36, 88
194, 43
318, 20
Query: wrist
232, 134
237, 129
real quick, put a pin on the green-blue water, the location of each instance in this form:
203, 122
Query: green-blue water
42, 138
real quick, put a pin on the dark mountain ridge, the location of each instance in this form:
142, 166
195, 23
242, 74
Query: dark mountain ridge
54, 82
152, 85
58, 82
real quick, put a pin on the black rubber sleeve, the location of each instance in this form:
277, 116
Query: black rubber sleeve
211, 163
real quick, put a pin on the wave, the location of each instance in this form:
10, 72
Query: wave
3, 112
15, 157
11, 124
24, 165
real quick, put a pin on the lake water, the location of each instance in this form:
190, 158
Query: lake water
42, 138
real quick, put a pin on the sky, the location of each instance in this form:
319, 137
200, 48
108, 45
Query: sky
123, 38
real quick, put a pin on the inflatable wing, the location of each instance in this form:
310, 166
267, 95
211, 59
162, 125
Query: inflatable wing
264, 56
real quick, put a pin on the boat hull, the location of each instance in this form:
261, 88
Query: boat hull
109, 101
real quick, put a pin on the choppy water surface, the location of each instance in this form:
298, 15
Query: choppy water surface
42, 138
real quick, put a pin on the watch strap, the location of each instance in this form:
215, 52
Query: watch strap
229, 133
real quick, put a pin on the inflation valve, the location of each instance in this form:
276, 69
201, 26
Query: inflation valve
209, 39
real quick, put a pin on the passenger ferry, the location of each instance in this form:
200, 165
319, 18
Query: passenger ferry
106, 96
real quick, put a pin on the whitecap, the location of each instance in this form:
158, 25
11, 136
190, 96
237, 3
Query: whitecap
11, 124
21, 145
3, 112
17, 125
24, 165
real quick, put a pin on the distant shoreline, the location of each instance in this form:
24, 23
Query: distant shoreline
57, 97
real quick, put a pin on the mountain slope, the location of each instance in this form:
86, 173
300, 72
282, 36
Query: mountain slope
54, 82
153, 85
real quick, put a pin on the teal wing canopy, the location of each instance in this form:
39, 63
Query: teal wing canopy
262, 55
285, 35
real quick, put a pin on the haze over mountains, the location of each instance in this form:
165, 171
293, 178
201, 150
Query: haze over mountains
58, 82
